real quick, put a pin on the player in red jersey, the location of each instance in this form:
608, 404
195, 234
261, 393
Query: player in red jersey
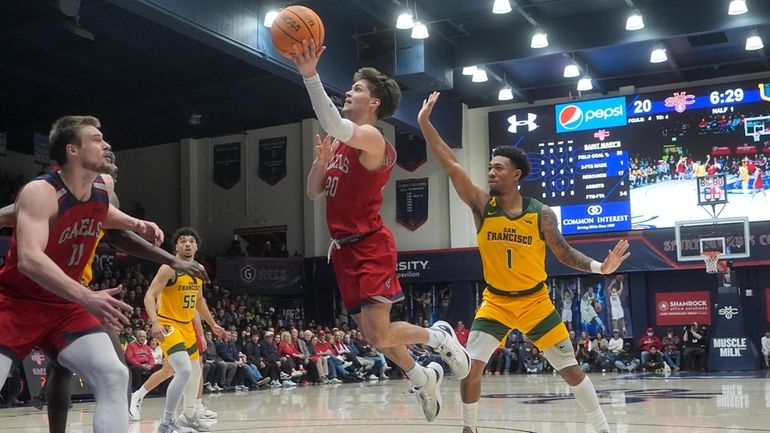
351, 172
57, 387
42, 303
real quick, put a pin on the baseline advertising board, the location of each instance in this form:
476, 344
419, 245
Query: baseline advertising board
631, 162
682, 308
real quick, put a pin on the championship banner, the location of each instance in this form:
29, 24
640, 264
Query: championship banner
272, 160
682, 308
412, 202
411, 151
227, 165
261, 276
41, 152
3, 143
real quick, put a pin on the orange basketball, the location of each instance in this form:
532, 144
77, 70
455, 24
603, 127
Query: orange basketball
292, 25
598, 307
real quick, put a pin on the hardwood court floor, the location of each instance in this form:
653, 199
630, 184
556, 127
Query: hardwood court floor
638, 403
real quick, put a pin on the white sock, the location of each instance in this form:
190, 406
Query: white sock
470, 412
140, 393
435, 337
198, 403
417, 375
585, 394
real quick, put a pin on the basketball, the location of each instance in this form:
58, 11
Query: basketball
598, 307
292, 25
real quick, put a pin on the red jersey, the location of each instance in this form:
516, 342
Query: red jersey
72, 236
353, 193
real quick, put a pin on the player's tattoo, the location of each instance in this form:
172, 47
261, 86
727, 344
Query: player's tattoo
559, 247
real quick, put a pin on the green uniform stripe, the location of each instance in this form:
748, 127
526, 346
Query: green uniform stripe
192, 349
553, 320
177, 348
491, 327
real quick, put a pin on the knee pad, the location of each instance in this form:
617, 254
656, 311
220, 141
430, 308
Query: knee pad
481, 346
560, 355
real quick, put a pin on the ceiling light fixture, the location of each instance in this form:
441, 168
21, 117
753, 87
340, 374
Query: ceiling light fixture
405, 21
658, 54
754, 41
571, 71
270, 16
635, 21
469, 70
737, 7
479, 76
420, 30
585, 84
501, 7
539, 39
506, 94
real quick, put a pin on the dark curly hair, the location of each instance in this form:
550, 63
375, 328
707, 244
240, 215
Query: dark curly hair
185, 231
517, 156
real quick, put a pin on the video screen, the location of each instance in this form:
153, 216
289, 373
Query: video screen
633, 162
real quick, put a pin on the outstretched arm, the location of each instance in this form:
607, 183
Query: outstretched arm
470, 193
133, 244
363, 137
574, 258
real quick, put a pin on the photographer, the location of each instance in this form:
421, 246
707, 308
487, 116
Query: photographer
694, 354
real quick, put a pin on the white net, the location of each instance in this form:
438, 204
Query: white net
712, 261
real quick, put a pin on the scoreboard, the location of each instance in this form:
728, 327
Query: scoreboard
632, 162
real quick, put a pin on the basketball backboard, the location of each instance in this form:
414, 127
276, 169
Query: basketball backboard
729, 236
755, 127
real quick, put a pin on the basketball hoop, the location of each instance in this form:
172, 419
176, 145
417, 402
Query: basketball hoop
712, 261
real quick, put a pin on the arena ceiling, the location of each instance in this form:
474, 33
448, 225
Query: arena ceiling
147, 79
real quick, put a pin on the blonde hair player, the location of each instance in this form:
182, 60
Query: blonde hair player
513, 232
350, 172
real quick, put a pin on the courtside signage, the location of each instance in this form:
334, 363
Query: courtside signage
596, 114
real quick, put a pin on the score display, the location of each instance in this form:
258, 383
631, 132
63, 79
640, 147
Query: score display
633, 162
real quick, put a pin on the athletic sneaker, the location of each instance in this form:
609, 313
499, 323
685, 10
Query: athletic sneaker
135, 408
452, 352
288, 383
334, 381
206, 413
172, 427
192, 423
373, 377
429, 395
467, 429
264, 381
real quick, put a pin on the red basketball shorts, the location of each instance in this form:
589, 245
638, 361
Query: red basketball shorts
366, 271
51, 326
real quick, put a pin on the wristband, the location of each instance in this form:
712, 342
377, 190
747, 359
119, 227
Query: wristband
596, 267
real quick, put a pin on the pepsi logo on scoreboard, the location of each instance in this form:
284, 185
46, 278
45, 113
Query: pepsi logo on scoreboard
596, 114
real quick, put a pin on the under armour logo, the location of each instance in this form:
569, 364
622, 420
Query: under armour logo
515, 123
